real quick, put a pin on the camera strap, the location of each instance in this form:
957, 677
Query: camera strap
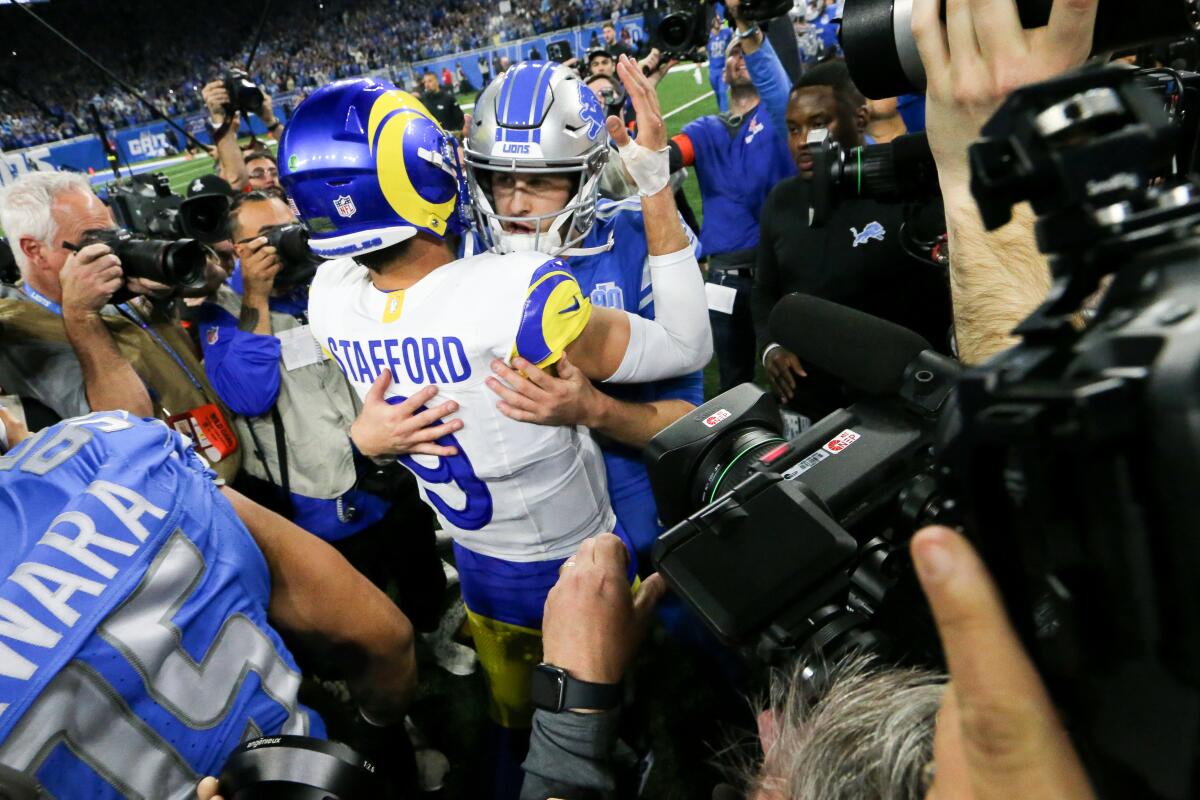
130, 313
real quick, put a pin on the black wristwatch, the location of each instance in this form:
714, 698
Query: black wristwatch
554, 690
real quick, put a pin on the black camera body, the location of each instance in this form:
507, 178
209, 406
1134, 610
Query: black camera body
1070, 459
299, 262
244, 95
683, 28
145, 205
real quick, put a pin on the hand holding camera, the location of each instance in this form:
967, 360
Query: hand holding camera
90, 277
260, 265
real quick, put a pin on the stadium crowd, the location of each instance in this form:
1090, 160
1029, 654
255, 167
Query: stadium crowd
385, 417
46, 89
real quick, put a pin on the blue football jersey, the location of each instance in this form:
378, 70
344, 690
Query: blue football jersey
620, 278
718, 43
135, 652
736, 171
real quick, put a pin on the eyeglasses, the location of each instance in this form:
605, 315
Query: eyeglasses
259, 174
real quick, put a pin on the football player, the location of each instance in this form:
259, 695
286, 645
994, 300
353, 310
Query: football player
377, 180
544, 198
137, 614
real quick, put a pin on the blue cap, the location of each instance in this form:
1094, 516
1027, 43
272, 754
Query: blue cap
367, 166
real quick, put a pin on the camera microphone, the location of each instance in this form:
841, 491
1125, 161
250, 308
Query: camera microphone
868, 354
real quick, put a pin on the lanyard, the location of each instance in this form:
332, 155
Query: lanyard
41, 299
131, 313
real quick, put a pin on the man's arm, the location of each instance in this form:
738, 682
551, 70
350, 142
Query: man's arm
766, 70
972, 62
89, 278
529, 394
316, 593
230, 164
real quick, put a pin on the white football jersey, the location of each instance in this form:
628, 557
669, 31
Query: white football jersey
516, 491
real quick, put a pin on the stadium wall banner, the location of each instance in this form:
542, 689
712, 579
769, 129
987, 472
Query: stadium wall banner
519, 50
135, 145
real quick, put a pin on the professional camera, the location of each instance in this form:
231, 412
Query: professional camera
299, 768
798, 546
1070, 459
244, 95
684, 27
180, 263
291, 244
884, 61
144, 204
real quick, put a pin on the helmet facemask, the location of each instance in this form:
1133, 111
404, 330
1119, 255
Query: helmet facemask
568, 227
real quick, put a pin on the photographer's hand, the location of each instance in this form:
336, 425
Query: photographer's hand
267, 115
216, 98
260, 264
88, 279
998, 735
979, 57
972, 62
749, 43
593, 623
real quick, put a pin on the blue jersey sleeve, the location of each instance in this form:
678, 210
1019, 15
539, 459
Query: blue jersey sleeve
243, 367
771, 82
685, 387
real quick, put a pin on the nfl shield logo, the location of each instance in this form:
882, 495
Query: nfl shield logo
212, 335
345, 206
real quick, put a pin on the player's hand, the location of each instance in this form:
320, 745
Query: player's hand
782, 369
978, 57
386, 429
207, 789
998, 735
260, 265
652, 130
592, 623
216, 98
530, 394
88, 279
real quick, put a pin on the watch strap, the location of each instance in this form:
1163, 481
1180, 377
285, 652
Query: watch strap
590, 696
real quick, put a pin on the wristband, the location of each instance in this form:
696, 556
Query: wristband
650, 169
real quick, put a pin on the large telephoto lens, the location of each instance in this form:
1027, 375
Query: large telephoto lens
299, 768
180, 263
884, 62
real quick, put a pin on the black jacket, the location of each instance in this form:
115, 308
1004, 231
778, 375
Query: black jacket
444, 107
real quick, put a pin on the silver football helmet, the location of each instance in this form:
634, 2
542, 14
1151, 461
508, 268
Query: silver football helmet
538, 117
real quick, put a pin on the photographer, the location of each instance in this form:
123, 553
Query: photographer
224, 122
68, 346
295, 412
739, 156
838, 260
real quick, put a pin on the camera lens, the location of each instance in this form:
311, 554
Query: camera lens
675, 30
884, 61
729, 462
299, 768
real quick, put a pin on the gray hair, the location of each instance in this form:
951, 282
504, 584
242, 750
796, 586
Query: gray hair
27, 207
869, 736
